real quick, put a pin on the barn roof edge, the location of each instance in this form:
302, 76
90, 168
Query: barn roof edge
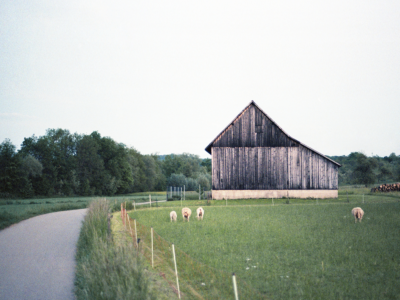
208, 148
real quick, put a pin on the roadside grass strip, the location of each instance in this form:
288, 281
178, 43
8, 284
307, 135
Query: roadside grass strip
107, 269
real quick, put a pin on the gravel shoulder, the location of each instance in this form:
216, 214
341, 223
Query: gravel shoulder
37, 256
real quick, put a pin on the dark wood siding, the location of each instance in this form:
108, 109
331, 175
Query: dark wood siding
253, 129
271, 168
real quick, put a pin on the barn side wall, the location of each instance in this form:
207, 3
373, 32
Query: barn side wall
261, 194
271, 168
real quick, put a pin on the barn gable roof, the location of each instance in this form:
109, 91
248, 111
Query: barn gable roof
285, 139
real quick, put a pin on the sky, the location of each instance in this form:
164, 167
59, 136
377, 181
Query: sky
168, 76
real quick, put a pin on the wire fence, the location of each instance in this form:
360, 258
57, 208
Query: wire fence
196, 280
200, 281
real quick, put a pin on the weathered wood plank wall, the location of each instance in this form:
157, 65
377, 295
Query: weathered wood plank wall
271, 168
253, 129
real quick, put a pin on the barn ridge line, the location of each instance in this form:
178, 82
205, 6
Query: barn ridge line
208, 148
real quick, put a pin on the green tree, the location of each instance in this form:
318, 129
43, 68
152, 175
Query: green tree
117, 168
135, 160
204, 180
177, 180
206, 162
90, 166
10, 175
31, 166
363, 172
56, 151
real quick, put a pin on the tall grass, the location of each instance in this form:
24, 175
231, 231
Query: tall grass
106, 270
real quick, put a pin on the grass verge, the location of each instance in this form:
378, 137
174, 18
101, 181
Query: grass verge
18, 213
107, 269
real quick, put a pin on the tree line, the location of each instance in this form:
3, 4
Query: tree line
357, 168
64, 164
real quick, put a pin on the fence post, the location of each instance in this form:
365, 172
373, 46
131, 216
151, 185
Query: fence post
235, 286
176, 271
152, 251
108, 226
122, 213
126, 218
136, 238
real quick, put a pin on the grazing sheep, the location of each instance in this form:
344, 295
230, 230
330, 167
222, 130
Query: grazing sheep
173, 215
186, 212
358, 213
200, 213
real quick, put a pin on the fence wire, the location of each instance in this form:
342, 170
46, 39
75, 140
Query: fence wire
196, 280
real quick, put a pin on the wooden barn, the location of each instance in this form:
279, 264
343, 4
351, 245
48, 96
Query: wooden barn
254, 158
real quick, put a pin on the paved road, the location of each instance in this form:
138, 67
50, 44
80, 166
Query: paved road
37, 256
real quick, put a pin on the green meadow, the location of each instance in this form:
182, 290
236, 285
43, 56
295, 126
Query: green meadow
14, 211
292, 249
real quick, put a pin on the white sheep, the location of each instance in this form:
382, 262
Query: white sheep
186, 212
358, 213
200, 213
173, 215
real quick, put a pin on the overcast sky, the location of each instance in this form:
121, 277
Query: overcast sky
168, 76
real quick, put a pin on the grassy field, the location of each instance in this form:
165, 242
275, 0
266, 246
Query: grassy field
14, 211
301, 250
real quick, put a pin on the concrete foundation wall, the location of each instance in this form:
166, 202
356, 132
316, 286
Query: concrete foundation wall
257, 194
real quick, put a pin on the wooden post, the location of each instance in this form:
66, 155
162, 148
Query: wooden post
108, 226
150, 199
152, 249
176, 272
235, 286
122, 213
126, 218
136, 238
